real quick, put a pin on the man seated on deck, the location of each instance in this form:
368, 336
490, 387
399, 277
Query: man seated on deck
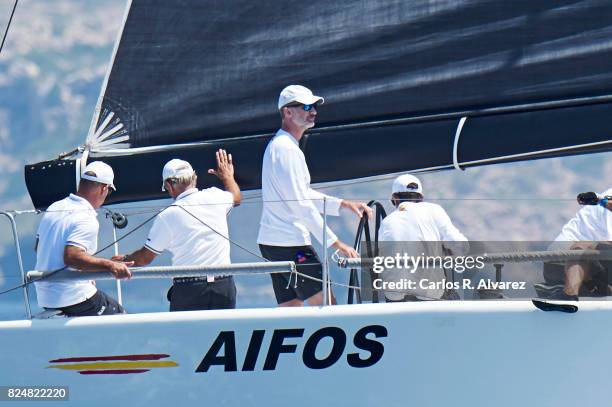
68, 237
292, 210
194, 229
591, 228
430, 228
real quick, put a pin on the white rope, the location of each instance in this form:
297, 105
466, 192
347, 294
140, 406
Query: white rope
456, 144
297, 273
559, 255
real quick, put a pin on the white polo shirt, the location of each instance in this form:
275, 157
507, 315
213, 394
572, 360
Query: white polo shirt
592, 223
190, 241
291, 209
420, 222
69, 222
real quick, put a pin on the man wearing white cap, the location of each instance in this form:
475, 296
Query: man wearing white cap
292, 210
422, 222
194, 229
67, 237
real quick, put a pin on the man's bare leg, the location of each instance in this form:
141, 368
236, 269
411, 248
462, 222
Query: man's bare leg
575, 274
292, 303
576, 271
317, 299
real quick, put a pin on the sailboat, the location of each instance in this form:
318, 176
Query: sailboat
413, 86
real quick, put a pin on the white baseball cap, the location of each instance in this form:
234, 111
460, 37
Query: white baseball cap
401, 184
102, 173
297, 93
175, 168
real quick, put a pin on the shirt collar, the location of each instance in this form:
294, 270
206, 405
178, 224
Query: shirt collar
282, 132
81, 201
404, 205
186, 193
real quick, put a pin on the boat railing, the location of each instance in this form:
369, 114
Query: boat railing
139, 273
368, 249
26, 298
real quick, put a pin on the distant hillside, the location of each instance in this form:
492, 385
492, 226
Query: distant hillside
51, 69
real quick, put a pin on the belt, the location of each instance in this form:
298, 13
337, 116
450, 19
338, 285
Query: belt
208, 279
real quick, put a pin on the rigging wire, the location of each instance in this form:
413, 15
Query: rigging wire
8, 25
221, 234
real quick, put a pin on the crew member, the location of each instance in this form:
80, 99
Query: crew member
431, 232
292, 210
591, 228
68, 237
194, 229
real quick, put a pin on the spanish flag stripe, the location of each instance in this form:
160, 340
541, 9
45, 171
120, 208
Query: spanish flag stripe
114, 365
152, 356
127, 371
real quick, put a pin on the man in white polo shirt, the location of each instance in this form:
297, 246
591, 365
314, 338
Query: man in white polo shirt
428, 226
194, 229
67, 237
292, 210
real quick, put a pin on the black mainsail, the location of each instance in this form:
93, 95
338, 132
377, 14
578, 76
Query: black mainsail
409, 86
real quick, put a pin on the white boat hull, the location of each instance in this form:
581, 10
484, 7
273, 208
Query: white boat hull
433, 354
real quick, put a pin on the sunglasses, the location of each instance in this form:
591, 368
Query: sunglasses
305, 107
108, 190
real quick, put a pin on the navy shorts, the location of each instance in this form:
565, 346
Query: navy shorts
199, 294
306, 261
99, 304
